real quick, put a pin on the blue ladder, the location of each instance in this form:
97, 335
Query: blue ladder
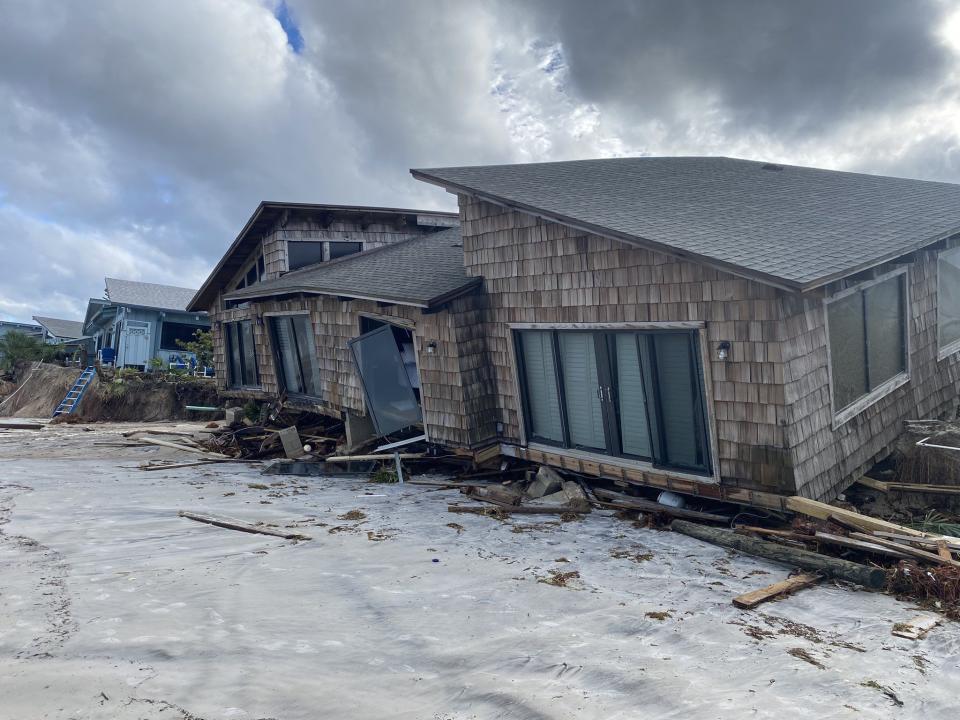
75, 394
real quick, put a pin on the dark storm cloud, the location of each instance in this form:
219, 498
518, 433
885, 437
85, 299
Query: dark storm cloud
784, 66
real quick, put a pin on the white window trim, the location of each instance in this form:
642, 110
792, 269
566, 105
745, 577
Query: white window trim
952, 348
845, 414
713, 441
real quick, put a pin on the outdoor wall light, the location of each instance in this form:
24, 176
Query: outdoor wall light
723, 351
431, 347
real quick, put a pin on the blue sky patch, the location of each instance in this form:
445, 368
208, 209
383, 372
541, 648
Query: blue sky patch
289, 25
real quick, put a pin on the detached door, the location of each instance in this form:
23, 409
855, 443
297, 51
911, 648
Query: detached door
391, 401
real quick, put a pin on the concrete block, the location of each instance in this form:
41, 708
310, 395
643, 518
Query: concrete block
546, 482
292, 444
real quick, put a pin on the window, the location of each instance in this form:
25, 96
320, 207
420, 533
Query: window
342, 249
242, 355
170, 332
948, 299
296, 354
301, 253
622, 393
867, 335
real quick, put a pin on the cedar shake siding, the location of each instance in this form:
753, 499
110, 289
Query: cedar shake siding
827, 458
771, 418
456, 410
536, 271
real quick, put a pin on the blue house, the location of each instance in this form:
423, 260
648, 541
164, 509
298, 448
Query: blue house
136, 322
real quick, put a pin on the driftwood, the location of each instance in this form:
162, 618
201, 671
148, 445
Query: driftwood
186, 448
829, 566
886, 487
241, 526
778, 589
174, 466
153, 431
20, 426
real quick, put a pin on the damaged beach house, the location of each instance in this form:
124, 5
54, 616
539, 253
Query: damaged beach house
731, 329
136, 322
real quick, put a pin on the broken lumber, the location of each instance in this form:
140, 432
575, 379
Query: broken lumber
887, 487
916, 628
823, 511
20, 426
776, 590
829, 566
863, 546
390, 457
943, 550
629, 502
180, 446
931, 542
241, 526
906, 549
786, 534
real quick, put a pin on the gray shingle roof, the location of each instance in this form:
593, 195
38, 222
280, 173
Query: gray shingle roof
70, 329
422, 271
791, 226
148, 295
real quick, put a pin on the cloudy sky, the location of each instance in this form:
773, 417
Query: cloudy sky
137, 137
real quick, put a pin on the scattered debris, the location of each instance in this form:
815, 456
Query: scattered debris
658, 615
353, 515
885, 690
560, 579
456, 526
804, 655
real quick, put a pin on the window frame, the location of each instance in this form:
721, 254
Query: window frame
270, 318
231, 328
841, 416
603, 334
951, 348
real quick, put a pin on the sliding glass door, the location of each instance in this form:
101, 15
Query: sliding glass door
296, 354
621, 393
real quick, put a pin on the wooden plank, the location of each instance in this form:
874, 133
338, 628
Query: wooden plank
351, 458
873, 484
823, 511
776, 590
861, 545
909, 550
930, 542
241, 526
916, 628
515, 509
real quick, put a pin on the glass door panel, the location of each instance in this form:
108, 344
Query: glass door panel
581, 388
631, 397
539, 375
681, 417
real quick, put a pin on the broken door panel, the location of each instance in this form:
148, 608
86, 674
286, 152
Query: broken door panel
391, 401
